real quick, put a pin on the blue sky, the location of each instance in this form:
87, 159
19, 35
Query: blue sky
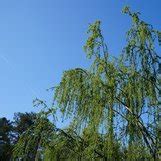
39, 39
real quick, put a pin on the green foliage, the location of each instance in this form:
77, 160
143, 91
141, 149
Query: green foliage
111, 105
5, 139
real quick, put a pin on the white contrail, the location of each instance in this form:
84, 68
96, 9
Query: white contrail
12, 67
5, 59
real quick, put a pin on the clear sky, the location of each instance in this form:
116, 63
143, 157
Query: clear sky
39, 39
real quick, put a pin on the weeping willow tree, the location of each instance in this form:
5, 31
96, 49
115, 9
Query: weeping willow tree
113, 104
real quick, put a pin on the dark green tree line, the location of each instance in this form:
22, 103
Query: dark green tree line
5, 139
10, 132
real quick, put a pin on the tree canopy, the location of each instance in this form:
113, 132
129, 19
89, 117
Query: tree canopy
112, 105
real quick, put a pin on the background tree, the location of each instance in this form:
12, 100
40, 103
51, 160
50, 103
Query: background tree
22, 121
5, 139
11, 131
